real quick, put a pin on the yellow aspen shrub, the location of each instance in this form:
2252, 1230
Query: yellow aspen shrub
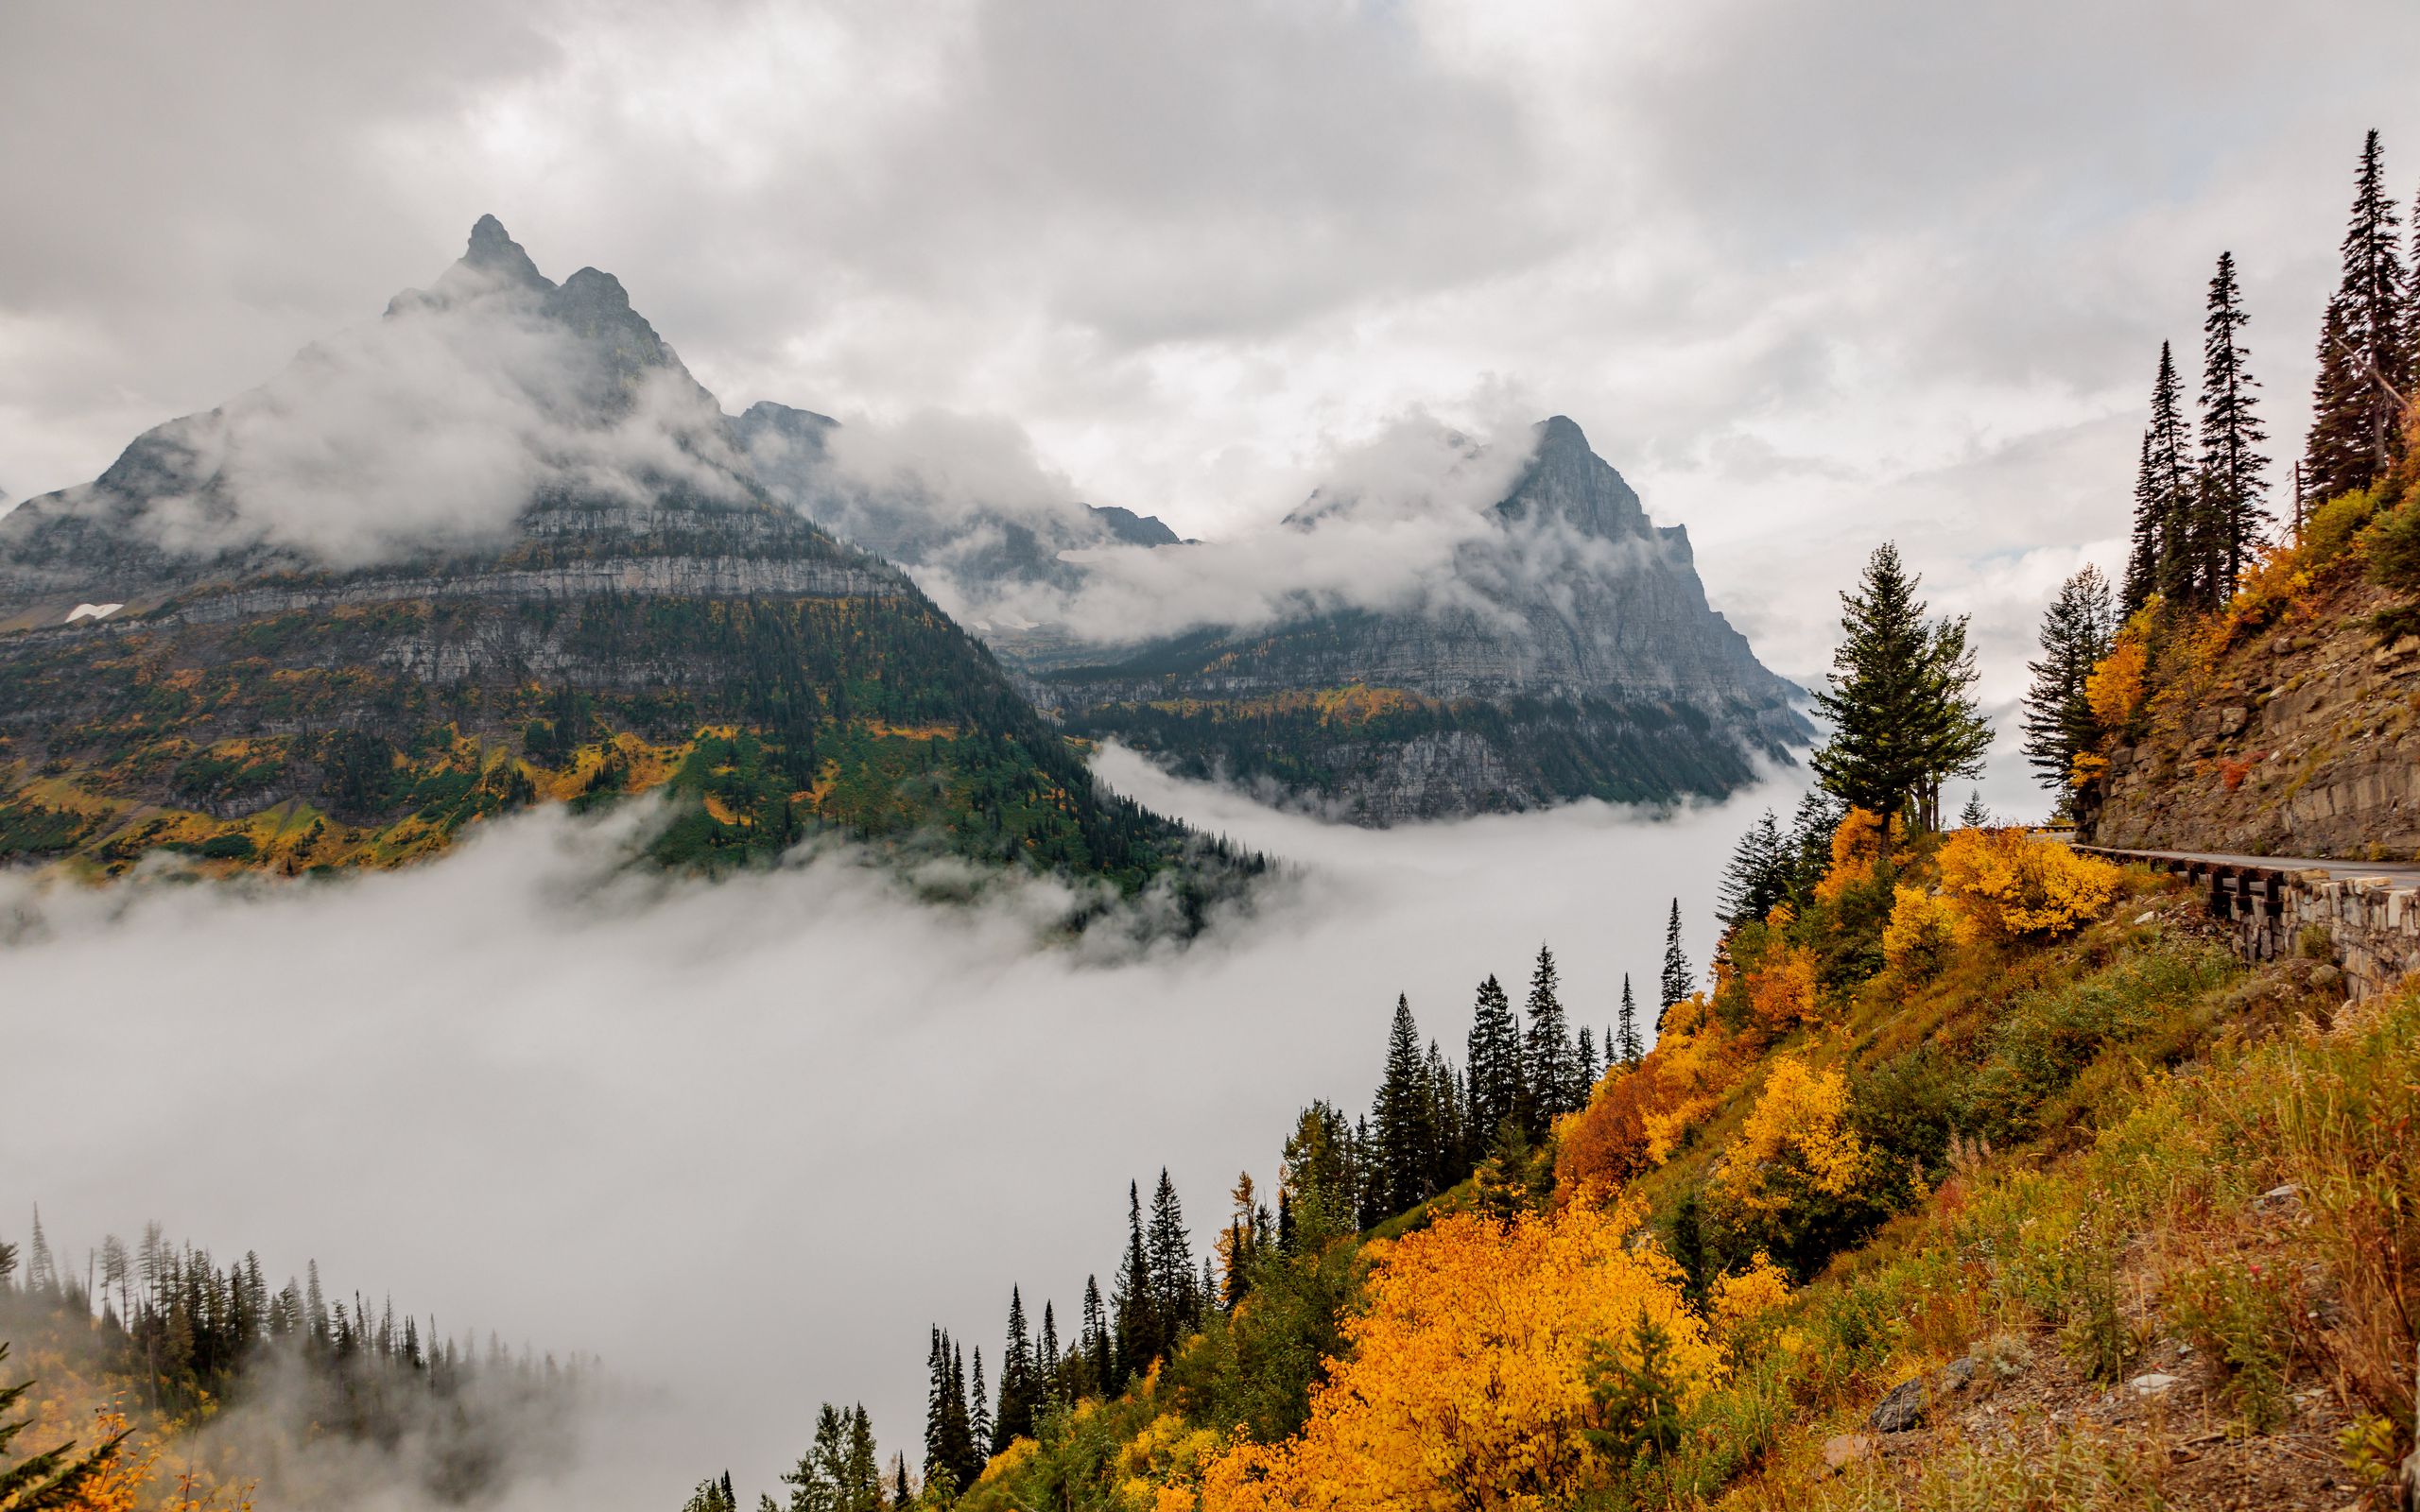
2114, 688
2011, 886
1168, 1454
1799, 1125
1922, 932
1466, 1379
1858, 845
1738, 1303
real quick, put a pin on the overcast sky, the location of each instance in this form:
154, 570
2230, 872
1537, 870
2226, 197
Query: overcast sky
1809, 276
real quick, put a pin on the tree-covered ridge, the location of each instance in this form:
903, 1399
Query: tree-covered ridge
338, 737
232, 1378
1328, 742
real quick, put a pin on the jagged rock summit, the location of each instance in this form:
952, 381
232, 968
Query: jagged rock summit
1572, 654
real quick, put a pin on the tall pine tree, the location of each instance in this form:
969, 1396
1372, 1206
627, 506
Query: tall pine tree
1630, 1050
1406, 1156
2365, 351
2058, 722
1756, 877
1173, 1283
2230, 513
1677, 981
1141, 1335
1493, 1064
1904, 720
1550, 1068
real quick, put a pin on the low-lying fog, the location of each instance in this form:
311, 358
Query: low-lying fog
746, 1142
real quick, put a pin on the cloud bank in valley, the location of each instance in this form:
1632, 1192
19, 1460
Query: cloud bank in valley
1380, 523
747, 1141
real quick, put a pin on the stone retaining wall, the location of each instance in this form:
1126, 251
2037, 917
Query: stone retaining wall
2371, 923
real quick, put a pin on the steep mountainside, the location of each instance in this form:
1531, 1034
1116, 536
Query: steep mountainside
496, 549
2285, 724
1572, 655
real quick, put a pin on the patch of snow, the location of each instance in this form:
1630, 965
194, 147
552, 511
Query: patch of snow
98, 611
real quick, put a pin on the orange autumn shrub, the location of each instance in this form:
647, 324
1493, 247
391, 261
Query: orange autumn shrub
1781, 986
1466, 1379
2011, 886
1922, 934
1860, 847
1605, 1142
1636, 1119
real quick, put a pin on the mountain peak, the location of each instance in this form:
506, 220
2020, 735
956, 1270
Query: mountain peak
1559, 433
493, 250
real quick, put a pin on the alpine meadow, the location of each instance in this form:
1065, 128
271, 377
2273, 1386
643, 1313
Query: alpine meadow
1296, 756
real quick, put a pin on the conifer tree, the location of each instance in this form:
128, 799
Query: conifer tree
2364, 345
1049, 1363
1756, 877
2169, 487
1097, 1344
936, 1444
1014, 1418
1445, 1105
1590, 1068
1406, 1153
1904, 720
1974, 815
1141, 1334
1677, 981
1631, 1049
2230, 513
1548, 1071
2058, 722
55, 1477
2144, 548
1493, 1064
979, 1408
1171, 1258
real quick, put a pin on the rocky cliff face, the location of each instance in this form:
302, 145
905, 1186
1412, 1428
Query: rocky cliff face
1571, 654
498, 548
2299, 740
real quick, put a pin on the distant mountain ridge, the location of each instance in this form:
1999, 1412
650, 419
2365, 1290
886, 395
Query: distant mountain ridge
1578, 659
500, 548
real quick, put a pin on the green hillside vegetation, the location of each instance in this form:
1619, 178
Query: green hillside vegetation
293, 741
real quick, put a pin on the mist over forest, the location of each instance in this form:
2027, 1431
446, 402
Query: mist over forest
746, 1141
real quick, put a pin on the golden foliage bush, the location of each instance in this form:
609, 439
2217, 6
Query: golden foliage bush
1798, 1128
2011, 886
1467, 1381
1923, 933
1859, 850
2116, 685
1740, 1302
